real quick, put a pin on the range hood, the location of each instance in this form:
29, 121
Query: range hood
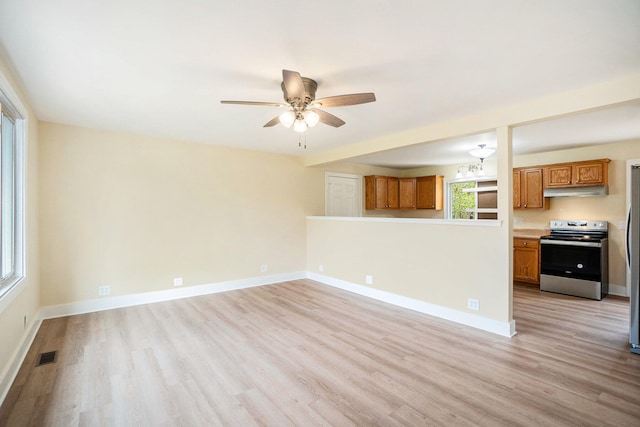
595, 190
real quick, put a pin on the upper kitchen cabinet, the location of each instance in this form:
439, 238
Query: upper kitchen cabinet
387, 192
429, 192
527, 189
407, 193
381, 192
576, 174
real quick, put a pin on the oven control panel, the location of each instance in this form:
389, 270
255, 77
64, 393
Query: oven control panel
591, 225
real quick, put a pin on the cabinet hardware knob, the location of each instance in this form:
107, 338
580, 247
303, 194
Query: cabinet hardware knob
524, 243
525, 205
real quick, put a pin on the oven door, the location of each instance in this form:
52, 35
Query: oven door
578, 260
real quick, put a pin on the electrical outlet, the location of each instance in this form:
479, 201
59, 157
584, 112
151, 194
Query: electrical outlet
177, 281
104, 290
264, 268
368, 279
622, 225
518, 219
321, 268
473, 304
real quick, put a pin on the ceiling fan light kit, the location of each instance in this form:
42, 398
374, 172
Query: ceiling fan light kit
287, 118
300, 126
311, 118
300, 96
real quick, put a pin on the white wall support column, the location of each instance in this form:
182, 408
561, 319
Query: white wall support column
505, 204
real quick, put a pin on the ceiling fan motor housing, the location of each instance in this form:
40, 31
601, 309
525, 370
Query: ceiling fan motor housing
310, 87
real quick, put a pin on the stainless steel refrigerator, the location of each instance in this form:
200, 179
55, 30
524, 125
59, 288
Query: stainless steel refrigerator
633, 258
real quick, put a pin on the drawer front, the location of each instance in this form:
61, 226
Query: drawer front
526, 243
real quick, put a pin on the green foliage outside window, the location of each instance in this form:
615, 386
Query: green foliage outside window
460, 201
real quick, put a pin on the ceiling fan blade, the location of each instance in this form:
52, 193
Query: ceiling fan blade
294, 85
344, 100
328, 119
264, 104
272, 122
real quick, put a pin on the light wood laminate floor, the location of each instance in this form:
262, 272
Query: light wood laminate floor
301, 353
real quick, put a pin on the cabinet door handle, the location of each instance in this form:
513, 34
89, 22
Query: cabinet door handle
525, 205
524, 243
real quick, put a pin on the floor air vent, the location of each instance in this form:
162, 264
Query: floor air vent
48, 357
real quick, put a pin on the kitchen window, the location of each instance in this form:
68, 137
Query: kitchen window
473, 199
11, 200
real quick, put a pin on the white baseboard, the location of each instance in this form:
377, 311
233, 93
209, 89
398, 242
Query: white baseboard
618, 290
109, 303
11, 372
506, 329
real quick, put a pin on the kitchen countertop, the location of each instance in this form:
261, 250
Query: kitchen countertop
530, 233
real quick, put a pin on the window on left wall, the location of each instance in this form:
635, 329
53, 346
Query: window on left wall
12, 138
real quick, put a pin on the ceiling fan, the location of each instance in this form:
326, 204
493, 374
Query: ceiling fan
303, 109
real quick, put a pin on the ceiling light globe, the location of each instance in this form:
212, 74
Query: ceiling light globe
299, 126
311, 118
287, 118
482, 152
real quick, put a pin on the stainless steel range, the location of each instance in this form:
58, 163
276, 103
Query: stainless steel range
574, 259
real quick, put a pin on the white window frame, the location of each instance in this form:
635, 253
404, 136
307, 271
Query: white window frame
10, 105
447, 207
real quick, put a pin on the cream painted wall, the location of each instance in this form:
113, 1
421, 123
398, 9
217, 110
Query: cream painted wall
433, 262
25, 301
134, 212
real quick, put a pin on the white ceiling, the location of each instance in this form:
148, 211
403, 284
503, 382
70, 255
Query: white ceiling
161, 67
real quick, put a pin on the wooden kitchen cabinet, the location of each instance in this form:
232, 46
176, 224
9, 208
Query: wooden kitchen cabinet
381, 192
429, 192
576, 174
387, 192
407, 193
528, 189
526, 260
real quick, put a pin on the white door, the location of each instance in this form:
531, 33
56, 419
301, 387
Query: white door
343, 194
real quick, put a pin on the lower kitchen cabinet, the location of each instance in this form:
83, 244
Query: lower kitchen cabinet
526, 260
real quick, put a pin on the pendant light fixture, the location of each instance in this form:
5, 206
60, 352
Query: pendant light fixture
482, 152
